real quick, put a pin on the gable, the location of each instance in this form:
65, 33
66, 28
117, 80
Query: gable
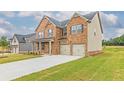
76, 20
94, 34
97, 21
43, 24
15, 41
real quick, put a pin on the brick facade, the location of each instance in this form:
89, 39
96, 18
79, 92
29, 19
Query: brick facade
45, 25
69, 39
92, 53
78, 38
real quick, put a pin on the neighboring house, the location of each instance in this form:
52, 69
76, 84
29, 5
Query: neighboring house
21, 43
81, 35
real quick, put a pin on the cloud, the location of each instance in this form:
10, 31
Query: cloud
27, 13
109, 20
3, 31
6, 24
24, 30
111, 25
63, 15
36, 14
59, 15
120, 31
8, 13
6, 28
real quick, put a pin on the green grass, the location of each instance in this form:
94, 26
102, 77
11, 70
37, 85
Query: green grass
106, 66
15, 57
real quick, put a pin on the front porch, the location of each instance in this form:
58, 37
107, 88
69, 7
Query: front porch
42, 46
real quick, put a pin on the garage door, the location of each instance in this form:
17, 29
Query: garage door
78, 50
65, 49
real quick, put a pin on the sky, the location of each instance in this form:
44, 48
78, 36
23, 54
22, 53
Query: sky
25, 22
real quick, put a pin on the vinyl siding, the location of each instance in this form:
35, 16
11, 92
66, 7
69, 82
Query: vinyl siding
94, 41
25, 47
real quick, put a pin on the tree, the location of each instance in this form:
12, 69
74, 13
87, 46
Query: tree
3, 42
118, 41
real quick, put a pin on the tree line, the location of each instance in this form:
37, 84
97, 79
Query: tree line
118, 41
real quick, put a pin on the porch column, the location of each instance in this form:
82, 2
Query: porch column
37, 47
33, 47
50, 47
40, 47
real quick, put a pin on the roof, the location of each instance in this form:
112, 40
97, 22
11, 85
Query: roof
21, 38
90, 15
56, 22
62, 24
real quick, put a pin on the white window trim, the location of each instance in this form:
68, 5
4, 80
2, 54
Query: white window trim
76, 28
50, 34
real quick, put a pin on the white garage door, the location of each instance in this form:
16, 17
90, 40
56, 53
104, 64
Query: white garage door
65, 49
78, 50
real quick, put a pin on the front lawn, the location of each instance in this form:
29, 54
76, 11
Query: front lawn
15, 57
106, 66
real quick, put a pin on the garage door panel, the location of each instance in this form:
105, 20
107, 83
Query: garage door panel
78, 50
65, 50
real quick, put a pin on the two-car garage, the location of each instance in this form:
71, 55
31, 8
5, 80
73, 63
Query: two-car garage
77, 50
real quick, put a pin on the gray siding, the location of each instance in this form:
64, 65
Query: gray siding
25, 47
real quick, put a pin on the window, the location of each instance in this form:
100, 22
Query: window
50, 33
79, 28
27, 39
94, 32
76, 28
39, 34
73, 29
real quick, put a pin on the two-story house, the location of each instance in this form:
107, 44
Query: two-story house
81, 35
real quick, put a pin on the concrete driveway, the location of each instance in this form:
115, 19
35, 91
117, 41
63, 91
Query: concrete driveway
10, 71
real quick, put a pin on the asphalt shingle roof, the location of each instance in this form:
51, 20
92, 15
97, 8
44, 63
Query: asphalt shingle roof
21, 38
62, 24
90, 15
